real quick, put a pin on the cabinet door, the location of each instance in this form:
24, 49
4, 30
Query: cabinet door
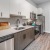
26, 10
15, 6
21, 40
4, 8
10, 44
40, 10
32, 35
3, 46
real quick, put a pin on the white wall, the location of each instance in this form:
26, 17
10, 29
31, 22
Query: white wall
31, 2
46, 13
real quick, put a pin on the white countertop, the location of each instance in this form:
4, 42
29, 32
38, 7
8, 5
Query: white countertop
12, 30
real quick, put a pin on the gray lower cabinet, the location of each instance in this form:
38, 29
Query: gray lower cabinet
23, 38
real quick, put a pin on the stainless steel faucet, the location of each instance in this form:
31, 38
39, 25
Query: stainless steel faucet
17, 22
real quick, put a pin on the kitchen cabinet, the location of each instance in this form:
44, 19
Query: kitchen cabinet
7, 45
15, 6
23, 38
40, 11
20, 40
22, 6
26, 9
32, 35
4, 8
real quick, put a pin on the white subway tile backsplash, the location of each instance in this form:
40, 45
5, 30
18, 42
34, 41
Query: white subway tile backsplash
12, 20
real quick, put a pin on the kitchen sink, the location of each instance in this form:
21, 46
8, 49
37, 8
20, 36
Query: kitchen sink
19, 28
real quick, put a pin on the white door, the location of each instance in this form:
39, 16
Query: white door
5, 8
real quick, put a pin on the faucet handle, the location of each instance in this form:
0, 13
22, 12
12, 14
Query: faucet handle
18, 20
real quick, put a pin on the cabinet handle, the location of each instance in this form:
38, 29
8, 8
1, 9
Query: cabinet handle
24, 36
1, 14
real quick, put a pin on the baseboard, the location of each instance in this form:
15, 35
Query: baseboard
46, 32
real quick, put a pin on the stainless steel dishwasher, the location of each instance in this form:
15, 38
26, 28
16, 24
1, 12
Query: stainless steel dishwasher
7, 42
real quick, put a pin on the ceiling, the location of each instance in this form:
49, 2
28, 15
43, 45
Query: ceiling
40, 1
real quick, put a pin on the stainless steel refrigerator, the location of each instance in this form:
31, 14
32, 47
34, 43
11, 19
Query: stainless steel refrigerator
41, 19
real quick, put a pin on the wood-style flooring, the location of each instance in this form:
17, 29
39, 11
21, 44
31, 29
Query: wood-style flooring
41, 43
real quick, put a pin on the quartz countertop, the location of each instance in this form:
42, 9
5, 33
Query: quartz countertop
12, 30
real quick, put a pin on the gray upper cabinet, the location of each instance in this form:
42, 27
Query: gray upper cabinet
4, 8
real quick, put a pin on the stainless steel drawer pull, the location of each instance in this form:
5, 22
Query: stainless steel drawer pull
24, 36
